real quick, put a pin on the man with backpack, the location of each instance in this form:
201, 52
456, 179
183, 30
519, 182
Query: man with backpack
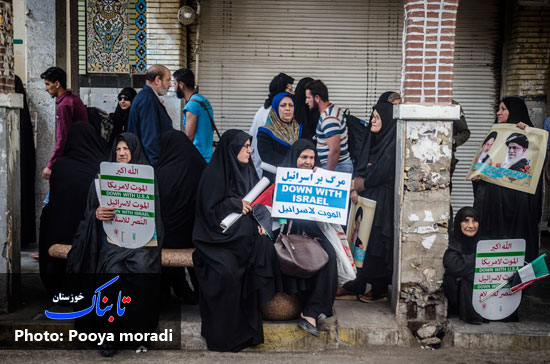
332, 131
198, 116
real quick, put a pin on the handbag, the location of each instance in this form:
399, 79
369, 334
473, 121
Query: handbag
299, 255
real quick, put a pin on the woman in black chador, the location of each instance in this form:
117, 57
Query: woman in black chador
504, 212
122, 112
459, 262
317, 292
95, 257
235, 269
178, 172
70, 181
375, 179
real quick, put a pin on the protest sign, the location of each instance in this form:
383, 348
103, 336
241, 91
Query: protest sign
359, 226
130, 189
511, 157
318, 196
496, 261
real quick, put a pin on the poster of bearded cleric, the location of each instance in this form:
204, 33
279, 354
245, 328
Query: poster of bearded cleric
511, 157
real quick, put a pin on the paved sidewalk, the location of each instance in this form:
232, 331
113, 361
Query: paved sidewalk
354, 324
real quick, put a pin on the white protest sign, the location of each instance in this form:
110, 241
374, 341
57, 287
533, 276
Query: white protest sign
130, 189
318, 196
496, 261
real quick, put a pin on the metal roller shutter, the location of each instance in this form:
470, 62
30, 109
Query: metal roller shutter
353, 46
476, 83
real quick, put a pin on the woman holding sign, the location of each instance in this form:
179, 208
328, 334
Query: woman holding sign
375, 179
459, 262
318, 292
279, 133
138, 268
504, 212
235, 269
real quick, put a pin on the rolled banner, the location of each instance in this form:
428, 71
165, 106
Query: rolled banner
268, 167
250, 197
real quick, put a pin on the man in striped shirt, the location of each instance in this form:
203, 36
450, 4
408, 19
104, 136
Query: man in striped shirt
332, 131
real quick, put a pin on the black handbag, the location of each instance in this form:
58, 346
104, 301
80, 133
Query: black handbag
299, 255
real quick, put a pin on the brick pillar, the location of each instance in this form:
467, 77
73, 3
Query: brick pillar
423, 161
6, 47
428, 46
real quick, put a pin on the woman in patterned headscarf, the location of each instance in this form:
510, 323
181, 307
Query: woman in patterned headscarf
280, 132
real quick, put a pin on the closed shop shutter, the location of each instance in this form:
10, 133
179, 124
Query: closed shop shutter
476, 83
353, 46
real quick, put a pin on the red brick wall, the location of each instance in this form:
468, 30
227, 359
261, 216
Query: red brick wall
428, 46
6, 47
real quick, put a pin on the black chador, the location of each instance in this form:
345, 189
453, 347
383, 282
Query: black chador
235, 268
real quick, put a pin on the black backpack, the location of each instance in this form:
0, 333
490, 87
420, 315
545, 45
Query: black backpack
357, 134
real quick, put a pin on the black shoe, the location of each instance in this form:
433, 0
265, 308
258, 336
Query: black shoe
307, 327
322, 317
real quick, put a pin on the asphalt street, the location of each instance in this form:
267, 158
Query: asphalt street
365, 354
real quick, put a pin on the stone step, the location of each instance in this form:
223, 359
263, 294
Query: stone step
353, 324
524, 335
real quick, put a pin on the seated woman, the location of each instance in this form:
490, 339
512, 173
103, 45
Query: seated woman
178, 172
235, 269
280, 132
138, 269
72, 174
319, 291
459, 262
375, 180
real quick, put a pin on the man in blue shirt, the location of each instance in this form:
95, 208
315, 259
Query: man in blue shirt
148, 116
197, 113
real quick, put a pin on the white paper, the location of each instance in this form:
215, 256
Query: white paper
250, 197
268, 167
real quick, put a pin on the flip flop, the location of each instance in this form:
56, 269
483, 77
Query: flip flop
307, 327
349, 297
368, 298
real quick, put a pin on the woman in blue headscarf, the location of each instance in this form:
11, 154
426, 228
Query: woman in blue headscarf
280, 132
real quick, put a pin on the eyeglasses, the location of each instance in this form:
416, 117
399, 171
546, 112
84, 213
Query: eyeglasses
123, 97
247, 146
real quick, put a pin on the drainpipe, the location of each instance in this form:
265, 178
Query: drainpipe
197, 44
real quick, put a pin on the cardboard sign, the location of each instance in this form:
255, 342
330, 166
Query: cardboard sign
496, 261
359, 227
130, 189
317, 196
511, 157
